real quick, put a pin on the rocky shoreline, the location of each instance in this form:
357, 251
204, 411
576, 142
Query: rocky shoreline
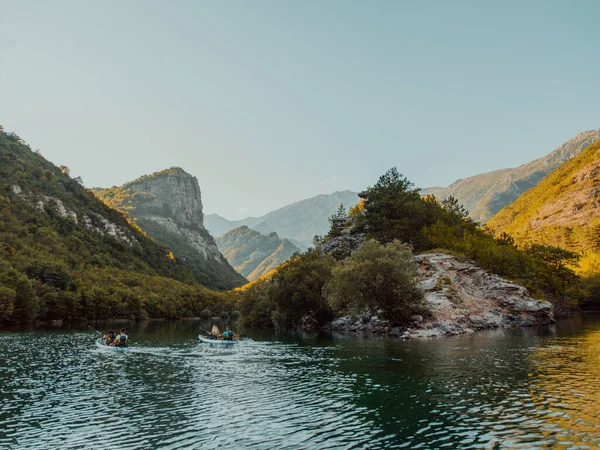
463, 298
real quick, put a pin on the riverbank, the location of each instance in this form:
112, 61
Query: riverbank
463, 298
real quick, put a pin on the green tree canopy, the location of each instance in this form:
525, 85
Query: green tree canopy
377, 277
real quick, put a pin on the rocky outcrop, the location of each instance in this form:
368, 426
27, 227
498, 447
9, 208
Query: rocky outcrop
343, 245
91, 221
173, 194
168, 206
463, 298
253, 254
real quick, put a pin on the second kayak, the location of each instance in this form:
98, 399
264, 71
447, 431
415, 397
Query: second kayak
216, 341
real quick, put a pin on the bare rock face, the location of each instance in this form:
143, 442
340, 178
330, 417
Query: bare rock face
343, 245
168, 206
463, 298
174, 195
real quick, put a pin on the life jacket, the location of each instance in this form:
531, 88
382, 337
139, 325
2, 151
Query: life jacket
228, 336
121, 340
110, 338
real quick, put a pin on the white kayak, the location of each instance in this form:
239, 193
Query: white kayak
216, 341
99, 344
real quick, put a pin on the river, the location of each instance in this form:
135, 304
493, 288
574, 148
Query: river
502, 388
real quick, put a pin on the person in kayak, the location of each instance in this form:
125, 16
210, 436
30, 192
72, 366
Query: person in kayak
109, 338
121, 339
214, 333
228, 334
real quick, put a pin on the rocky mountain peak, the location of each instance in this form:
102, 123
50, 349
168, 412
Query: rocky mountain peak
172, 193
168, 206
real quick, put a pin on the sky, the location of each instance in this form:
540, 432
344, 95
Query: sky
271, 102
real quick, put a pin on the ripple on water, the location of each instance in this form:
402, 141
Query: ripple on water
518, 391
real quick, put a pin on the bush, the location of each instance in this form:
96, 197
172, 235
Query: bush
377, 277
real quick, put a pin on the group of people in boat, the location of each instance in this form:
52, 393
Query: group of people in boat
115, 340
227, 335
112, 339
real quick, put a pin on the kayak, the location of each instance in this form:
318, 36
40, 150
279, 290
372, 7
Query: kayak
216, 341
99, 344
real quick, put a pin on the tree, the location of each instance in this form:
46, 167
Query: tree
559, 261
394, 209
65, 170
26, 303
377, 277
297, 290
337, 221
7, 302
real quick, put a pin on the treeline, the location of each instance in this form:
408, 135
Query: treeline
311, 289
368, 265
58, 265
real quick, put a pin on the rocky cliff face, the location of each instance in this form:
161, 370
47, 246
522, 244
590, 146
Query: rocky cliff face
253, 254
463, 298
485, 194
168, 206
173, 195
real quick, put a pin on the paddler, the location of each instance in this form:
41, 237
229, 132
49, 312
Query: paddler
108, 338
228, 334
121, 339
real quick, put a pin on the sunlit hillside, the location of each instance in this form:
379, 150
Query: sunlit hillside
562, 211
485, 194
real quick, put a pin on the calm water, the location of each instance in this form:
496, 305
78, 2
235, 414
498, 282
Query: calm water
521, 388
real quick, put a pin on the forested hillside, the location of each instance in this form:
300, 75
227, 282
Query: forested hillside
66, 255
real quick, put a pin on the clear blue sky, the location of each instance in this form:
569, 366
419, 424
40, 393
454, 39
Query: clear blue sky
270, 102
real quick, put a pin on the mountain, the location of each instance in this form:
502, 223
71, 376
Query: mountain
563, 210
299, 222
65, 255
485, 194
217, 225
253, 254
168, 206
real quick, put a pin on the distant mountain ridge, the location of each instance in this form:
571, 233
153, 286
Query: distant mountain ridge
168, 206
299, 222
562, 211
253, 254
485, 194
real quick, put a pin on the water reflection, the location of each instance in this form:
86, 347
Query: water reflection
522, 388
564, 388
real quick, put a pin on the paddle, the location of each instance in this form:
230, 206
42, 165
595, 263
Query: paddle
94, 330
208, 334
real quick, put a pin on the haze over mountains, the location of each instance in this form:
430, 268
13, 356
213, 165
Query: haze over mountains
485, 194
299, 222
